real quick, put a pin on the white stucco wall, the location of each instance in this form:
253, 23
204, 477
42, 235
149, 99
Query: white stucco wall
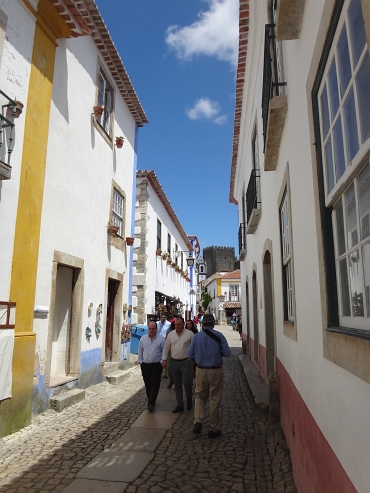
78, 184
14, 79
337, 399
160, 276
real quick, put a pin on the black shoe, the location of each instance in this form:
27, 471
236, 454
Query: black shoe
150, 408
197, 428
189, 404
214, 434
178, 409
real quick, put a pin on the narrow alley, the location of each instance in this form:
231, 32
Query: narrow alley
147, 452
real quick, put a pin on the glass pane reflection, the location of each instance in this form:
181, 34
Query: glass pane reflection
356, 281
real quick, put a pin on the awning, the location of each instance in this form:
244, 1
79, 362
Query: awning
232, 304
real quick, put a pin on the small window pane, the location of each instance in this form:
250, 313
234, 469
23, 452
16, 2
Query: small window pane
333, 90
341, 238
344, 288
363, 92
329, 166
350, 123
357, 29
356, 280
351, 217
340, 163
363, 182
366, 266
345, 72
325, 112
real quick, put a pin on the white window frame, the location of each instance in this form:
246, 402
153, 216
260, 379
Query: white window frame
285, 234
335, 196
105, 99
118, 202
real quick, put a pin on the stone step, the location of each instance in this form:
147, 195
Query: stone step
117, 377
257, 385
66, 399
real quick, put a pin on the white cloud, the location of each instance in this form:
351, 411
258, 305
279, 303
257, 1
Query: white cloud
207, 109
216, 33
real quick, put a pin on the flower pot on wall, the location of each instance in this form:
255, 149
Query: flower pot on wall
18, 109
168, 261
158, 253
98, 111
130, 240
113, 230
119, 142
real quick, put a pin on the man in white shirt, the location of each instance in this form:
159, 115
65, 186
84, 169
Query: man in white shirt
150, 360
178, 342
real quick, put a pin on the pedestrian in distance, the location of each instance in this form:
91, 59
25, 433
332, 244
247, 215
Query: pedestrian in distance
233, 320
178, 342
207, 350
150, 360
239, 326
189, 324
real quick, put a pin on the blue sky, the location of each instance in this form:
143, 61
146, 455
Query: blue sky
181, 58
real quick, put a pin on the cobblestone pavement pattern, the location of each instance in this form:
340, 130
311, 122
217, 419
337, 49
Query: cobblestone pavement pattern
250, 456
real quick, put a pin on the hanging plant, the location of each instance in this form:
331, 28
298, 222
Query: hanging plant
119, 142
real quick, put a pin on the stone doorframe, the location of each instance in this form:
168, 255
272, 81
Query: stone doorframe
117, 317
77, 264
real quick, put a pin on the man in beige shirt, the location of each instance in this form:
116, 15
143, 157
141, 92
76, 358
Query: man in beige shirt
178, 342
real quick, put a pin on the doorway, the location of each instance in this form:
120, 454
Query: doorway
247, 317
60, 349
255, 317
269, 314
113, 286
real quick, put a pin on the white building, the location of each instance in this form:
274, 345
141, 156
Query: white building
71, 185
161, 275
224, 289
300, 176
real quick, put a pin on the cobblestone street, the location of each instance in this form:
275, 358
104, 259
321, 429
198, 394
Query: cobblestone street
250, 456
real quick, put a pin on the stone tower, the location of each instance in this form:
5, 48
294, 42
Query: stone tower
219, 259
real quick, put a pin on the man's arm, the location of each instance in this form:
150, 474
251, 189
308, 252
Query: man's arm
140, 355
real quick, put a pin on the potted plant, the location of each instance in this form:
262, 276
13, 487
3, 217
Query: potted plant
18, 109
168, 260
119, 142
164, 255
112, 229
158, 252
129, 240
98, 111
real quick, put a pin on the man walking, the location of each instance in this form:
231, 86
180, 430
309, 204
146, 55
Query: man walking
149, 358
207, 349
163, 325
178, 342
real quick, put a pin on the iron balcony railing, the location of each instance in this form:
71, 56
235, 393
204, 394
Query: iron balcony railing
242, 236
252, 195
271, 75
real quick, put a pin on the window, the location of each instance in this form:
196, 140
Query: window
159, 235
343, 106
286, 259
176, 252
117, 211
105, 99
234, 293
169, 244
344, 102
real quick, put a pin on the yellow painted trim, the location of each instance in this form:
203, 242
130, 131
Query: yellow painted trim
219, 287
31, 188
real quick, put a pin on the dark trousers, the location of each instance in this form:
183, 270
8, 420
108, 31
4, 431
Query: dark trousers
181, 372
152, 379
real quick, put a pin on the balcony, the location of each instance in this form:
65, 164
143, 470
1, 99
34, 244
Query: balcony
253, 202
242, 236
12, 109
274, 101
289, 19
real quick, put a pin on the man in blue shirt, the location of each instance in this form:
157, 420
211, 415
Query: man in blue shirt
150, 360
163, 325
207, 349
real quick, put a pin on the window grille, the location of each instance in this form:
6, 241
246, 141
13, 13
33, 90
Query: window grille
105, 99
